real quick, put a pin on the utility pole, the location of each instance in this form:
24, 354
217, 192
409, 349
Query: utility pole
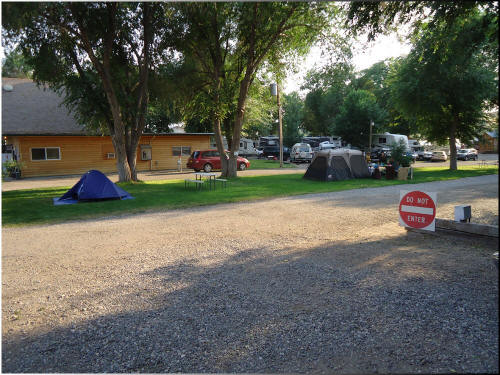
281, 126
370, 140
275, 91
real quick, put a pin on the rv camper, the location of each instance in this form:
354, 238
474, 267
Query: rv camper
247, 148
386, 140
270, 140
415, 145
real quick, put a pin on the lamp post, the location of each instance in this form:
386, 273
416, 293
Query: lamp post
276, 92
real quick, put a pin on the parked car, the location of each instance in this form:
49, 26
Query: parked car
467, 154
439, 156
274, 151
413, 155
210, 159
424, 155
301, 152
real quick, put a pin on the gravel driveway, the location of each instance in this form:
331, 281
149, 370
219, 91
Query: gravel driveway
314, 283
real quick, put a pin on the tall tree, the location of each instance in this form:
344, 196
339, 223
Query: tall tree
353, 122
374, 79
261, 111
94, 51
328, 86
232, 42
450, 78
293, 118
205, 38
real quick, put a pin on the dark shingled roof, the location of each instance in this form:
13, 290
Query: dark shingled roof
29, 110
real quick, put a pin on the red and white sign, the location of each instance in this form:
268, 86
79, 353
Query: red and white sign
417, 209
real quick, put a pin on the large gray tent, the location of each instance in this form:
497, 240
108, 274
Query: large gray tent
336, 165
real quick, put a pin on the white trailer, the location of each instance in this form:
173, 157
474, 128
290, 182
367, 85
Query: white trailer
387, 139
247, 148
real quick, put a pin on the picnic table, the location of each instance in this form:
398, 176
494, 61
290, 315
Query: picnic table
205, 176
202, 177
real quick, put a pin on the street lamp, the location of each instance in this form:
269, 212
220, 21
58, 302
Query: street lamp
276, 92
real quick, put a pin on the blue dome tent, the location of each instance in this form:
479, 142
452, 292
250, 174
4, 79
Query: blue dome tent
93, 186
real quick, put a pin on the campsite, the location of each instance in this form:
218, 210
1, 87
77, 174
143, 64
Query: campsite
231, 187
159, 193
338, 165
93, 186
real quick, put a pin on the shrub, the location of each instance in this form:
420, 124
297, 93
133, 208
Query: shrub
11, 167
399, 154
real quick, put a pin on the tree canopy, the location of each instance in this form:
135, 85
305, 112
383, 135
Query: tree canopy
99, 56
15, 65
352, 123
231, 43
448, 81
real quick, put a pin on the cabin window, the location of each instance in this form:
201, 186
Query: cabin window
181, 150
46, 153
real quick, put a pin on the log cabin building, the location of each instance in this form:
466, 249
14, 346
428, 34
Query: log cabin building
44, 135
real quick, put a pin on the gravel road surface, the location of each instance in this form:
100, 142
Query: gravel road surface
312, 283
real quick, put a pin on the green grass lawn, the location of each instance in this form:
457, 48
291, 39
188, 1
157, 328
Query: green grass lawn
34, 206
268, 164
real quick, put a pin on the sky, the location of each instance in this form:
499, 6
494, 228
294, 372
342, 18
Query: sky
382, 48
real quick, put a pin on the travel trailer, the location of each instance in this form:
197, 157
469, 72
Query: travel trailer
386, 140
247, 147
270, 140
415, 145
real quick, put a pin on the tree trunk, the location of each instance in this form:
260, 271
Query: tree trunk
132, 161
238, 124
219, 141
453, 146
142, 97
122, 165
132, 155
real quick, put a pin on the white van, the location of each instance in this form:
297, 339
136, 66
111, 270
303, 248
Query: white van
301, 152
